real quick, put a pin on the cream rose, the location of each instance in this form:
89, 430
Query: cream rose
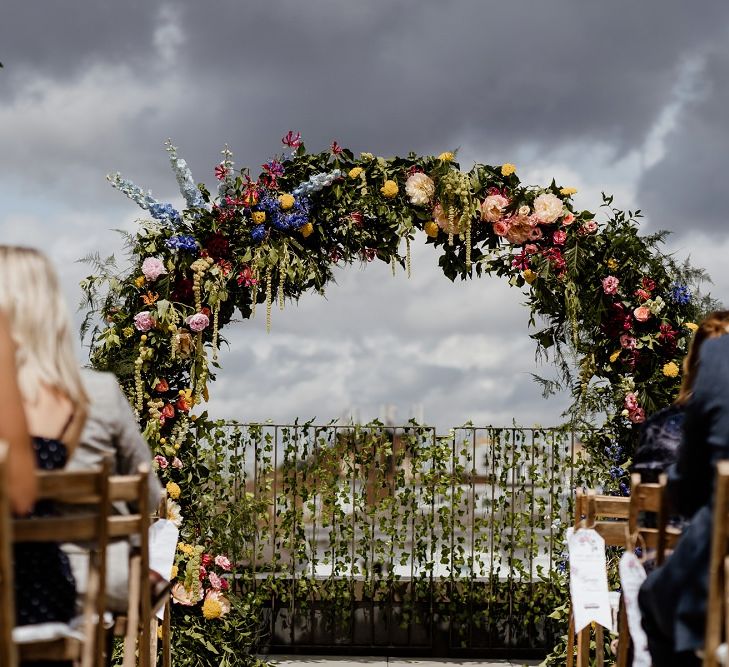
420, 188
492, 208
547, 208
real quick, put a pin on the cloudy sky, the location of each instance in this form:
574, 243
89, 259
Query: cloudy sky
623, 97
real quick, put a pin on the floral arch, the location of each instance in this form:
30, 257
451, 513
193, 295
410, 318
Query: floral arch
616, 312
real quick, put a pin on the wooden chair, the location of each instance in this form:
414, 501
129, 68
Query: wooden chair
139, 625
608, 516
717, 618
87, 525
8, 653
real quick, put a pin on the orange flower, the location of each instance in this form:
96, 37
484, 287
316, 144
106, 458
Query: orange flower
162, 386
149, 298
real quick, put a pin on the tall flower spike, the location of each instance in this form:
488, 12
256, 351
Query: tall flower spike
186, 183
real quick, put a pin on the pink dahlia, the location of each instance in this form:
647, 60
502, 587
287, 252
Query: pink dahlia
610, 285
143, 321
153, 268
198, 322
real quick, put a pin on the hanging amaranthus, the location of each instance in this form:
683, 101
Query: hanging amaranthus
408, 258
269, 297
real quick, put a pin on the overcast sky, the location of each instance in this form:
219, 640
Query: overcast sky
624, 97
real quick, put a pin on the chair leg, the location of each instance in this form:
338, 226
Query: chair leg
599, 646
623, 636
571, 641
167, 637
583, 647
130, 637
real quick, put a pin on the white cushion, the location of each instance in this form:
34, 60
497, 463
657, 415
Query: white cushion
48, 632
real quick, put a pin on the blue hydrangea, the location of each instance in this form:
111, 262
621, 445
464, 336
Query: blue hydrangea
184, 242
258, 233
680, 294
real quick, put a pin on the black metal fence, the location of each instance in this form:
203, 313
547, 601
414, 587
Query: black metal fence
396, 539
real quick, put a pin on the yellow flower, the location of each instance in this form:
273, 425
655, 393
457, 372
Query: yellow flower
367, 156
306, 230
568, 191
431, 229
612, 264
691, 326
286, 201
259, 217
173, 490
212, 609
139, 281
670, 370
448, 156
507, 169
355, 172
173, 572
186, 549
614, 356
160, 632
389, 189
529, 276
128, 332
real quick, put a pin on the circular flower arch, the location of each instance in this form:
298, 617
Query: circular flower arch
612, 311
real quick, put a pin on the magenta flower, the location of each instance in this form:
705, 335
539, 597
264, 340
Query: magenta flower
610, 285
637, 416
335, 148
198, 322
215, 581
631, 401
221, 171
143, 321
292, 140
628, 342
559, 237
161, 461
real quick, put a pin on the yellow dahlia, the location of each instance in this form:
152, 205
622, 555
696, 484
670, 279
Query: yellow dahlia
259, 217
286, 201
670, 370
212, 609
612, 264
568, 191
691, 326
507, 169
614, 356
306, 230
355, 172
529, 276
139, 281
448, 156
173, 490
389, 189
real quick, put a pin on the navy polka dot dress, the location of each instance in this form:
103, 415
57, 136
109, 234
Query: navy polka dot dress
45, 590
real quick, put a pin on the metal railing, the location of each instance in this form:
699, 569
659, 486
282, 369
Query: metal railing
379, 538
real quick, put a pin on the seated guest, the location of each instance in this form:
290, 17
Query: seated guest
112, 432
14, 430
662, 432
673, 598
54, 402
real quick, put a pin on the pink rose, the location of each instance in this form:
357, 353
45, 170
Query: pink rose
492, 208
589, 227
637, 416
183, 596
628, 342
161, 461
223, 563
530, 248
610, 285
153, 268
198, 322
501, 228
176, 463
568, 219
631, 401
215, 581
559, 237
143, 321
535, 233
642, 313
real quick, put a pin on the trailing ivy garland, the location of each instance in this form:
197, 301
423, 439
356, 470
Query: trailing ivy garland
610, 304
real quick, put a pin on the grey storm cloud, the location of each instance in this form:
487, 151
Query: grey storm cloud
594, 91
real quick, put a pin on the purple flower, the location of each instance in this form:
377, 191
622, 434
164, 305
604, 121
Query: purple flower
198, 322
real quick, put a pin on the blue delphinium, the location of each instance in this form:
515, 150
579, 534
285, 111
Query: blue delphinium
316, 182
145, 200
186, 183
165, 212
258, 233
183, 242
680, 294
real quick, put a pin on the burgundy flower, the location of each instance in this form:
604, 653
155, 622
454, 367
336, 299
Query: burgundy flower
245, 277
648, 283
368, 254
217, 246
520, 261
182, 291
357, 218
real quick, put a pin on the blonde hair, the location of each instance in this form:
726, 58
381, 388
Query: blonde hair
714, 325
31, 298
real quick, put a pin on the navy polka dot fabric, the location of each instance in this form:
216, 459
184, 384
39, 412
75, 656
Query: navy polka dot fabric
45, 590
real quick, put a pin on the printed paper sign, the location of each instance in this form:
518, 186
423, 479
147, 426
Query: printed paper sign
588, 578
632, 575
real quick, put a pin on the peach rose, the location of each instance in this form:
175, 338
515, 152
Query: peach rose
642, 313
492, 208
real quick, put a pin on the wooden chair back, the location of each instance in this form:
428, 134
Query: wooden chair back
608, 516
136, 625
8, 652
717, 618
88, 491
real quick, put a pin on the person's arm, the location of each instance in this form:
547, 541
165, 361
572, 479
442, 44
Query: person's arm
132, 449
22, 482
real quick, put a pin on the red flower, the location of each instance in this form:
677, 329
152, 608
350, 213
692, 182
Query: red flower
225, 266
335, 148
245, 277
415, 170
642, 294
648, 283
369, 254
357, 218
168, 412
292, 140
162, 386
206, 560
182, 404
221, 171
